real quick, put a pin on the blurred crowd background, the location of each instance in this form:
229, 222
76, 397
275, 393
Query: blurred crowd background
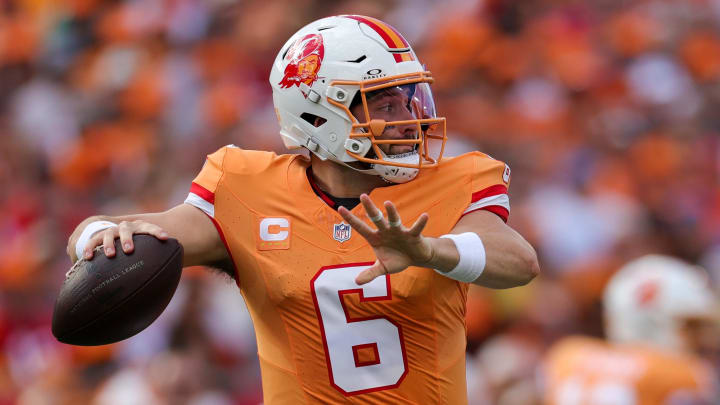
608, 113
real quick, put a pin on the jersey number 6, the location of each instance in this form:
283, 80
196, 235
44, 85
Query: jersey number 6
363, 354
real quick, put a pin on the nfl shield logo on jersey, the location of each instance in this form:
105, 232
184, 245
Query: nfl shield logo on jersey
342, 232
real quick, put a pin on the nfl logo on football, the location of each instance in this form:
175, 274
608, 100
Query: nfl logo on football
342, 232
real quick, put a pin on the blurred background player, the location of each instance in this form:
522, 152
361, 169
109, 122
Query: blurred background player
662, 342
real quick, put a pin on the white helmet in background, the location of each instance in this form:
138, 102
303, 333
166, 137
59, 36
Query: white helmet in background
648, 299
335, 61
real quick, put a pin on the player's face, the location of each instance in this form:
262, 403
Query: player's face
391, 104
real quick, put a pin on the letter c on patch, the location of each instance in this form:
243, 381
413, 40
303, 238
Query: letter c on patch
271, 229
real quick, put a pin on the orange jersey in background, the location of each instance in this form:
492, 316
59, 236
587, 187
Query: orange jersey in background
321, 337
587, 371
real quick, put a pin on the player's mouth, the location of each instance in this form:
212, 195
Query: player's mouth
401, 149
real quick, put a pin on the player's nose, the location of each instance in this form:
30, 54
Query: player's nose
407, 130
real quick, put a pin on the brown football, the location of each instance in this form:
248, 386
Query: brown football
105, 300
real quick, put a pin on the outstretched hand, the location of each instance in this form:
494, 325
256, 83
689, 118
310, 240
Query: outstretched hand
396, 247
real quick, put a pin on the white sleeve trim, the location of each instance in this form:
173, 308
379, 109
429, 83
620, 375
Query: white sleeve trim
501, 200
197, 201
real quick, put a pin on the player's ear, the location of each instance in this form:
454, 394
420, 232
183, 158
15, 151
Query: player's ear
319, 121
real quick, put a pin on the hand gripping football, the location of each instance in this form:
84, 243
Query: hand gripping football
106, 300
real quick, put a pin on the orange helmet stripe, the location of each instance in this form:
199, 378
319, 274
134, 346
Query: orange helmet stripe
392, 38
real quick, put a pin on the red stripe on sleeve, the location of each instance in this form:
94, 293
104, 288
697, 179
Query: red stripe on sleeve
204, 193
489, 192
502, 212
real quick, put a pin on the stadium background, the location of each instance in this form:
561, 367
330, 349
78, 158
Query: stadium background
608, 113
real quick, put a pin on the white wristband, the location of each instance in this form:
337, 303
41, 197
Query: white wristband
88, 232
472, 257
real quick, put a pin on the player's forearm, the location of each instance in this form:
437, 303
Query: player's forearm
510, 261
72, 240
201, 242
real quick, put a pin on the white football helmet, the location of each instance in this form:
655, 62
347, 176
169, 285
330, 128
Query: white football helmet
647, 300
336, 62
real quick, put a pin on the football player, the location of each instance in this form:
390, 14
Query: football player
661, 322
354, 262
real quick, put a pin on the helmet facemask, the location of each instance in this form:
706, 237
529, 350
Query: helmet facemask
403, 103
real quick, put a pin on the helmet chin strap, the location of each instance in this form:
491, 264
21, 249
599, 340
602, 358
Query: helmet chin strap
389, 173
396, 174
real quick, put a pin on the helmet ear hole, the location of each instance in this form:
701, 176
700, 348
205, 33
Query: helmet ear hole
313, 119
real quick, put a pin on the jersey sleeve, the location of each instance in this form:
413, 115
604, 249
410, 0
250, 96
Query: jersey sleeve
490, 182
698, 387
205, 184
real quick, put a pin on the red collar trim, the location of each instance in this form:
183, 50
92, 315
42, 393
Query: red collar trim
318, 190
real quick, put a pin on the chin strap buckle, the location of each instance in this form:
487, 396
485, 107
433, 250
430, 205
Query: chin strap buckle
312, 144
357, 146
337, 94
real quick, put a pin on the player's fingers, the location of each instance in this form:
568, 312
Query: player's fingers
154, 230
372, 272
394, 220
375, 215
125, 230
419, 225
94, 241
355, 222
109, 236
89, 248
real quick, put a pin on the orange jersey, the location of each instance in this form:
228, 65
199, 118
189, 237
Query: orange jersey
321, 337
587, 371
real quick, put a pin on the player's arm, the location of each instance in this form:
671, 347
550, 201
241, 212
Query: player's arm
190, 226
498, 256
510, 261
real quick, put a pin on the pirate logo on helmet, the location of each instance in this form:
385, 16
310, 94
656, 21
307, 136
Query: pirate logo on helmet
304, 59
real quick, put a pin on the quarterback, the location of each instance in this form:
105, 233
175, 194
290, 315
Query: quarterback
354, 261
